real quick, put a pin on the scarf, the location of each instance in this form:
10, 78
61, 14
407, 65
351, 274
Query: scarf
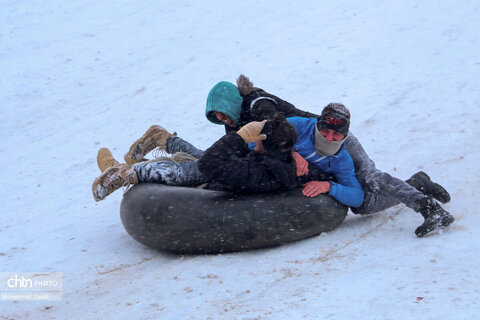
324, 147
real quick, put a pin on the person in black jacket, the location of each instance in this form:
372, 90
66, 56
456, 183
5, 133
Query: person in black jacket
227, 165
230, 165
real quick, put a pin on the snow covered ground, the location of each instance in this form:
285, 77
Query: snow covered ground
80, 75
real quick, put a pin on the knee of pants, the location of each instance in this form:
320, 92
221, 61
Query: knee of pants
374, 203
376, 180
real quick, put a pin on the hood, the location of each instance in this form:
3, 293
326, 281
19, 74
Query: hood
225, 98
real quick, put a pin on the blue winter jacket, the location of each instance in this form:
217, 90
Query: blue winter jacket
346, 189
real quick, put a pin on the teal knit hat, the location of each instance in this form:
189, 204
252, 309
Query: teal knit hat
225, 98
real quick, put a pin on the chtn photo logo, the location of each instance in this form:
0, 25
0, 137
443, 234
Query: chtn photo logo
22, 282
31, 286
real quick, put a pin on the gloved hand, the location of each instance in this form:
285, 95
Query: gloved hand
251, 131
301, 163
314, 188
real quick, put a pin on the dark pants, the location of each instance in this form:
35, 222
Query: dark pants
176, 144
172, 173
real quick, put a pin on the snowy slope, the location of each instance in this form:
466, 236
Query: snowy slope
79, 75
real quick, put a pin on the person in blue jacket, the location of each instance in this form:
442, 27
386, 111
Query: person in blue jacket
322, 143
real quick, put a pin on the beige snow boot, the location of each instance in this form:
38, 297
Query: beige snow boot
155, 137
105, 159
112, 179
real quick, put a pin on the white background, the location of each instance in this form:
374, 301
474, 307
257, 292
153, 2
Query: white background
80, 75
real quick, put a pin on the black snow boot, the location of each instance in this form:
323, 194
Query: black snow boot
422, 182
435, 217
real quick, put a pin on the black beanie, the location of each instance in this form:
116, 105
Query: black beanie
335, 116
263, 108
281, 137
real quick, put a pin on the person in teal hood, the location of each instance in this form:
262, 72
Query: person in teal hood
236, 105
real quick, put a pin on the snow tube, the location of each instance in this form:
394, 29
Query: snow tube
189, 220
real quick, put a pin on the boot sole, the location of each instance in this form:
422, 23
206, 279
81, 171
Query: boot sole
150, 132
95, 184
94, 188
449, 219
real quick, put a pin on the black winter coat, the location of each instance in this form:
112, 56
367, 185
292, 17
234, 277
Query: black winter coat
229, 165
283, 107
